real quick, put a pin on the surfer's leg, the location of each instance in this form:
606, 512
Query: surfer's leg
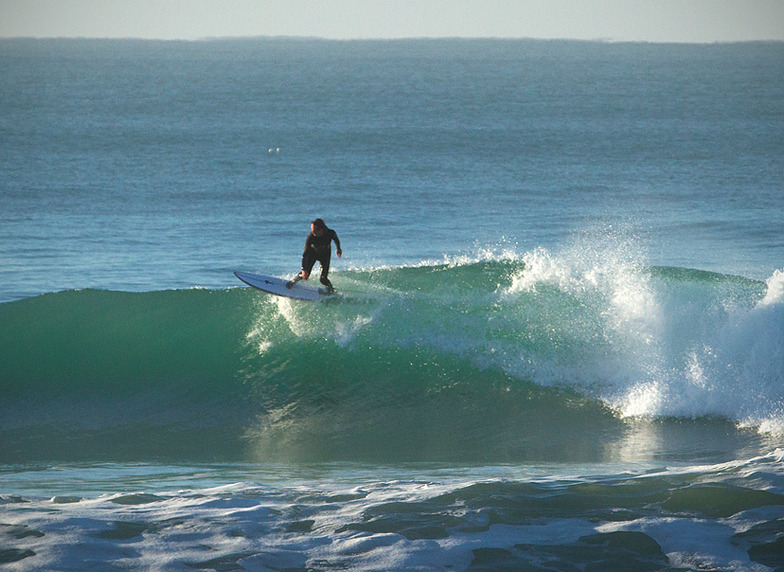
307, 265
328, 284
325, 275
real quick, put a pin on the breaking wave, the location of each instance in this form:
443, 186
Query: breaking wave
537, 357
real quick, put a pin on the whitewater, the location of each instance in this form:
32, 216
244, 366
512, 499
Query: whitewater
559, 337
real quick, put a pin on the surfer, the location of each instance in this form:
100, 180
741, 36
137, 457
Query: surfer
318, 247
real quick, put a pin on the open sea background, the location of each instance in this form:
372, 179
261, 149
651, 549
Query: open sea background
560, 340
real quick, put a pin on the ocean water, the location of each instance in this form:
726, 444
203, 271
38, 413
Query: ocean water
559, 340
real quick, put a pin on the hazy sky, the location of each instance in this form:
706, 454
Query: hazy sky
636, 20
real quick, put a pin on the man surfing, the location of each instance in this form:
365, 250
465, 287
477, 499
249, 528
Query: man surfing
318, 247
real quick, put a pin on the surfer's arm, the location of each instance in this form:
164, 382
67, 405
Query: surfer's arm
308, 245
338, 250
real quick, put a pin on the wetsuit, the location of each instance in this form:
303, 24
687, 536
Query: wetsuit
319, 248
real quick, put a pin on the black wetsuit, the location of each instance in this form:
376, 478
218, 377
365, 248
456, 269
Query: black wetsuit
319, 248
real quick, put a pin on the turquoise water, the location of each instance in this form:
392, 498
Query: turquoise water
497, 361
559, 340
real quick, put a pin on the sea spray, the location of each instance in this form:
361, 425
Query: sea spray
657, 341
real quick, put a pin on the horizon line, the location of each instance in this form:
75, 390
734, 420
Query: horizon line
393, 39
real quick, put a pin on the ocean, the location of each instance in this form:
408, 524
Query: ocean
558, 343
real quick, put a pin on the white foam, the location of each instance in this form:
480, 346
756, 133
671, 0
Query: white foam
775, 291
693, 544
297, 522
655, 345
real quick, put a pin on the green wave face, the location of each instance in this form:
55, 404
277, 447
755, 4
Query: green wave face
501, 360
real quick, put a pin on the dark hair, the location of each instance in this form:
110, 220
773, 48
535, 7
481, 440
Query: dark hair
318, 223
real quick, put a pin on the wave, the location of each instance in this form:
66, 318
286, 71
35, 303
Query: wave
506, 358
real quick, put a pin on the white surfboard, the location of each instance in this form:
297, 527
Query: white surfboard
277, 286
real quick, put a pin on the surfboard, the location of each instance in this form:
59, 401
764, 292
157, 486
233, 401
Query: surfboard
277, 286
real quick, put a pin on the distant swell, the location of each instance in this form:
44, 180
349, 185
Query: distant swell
536, 358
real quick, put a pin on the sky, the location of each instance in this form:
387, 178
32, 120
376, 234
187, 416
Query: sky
698, 21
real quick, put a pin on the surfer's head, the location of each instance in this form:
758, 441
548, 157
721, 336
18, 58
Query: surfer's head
318, 227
